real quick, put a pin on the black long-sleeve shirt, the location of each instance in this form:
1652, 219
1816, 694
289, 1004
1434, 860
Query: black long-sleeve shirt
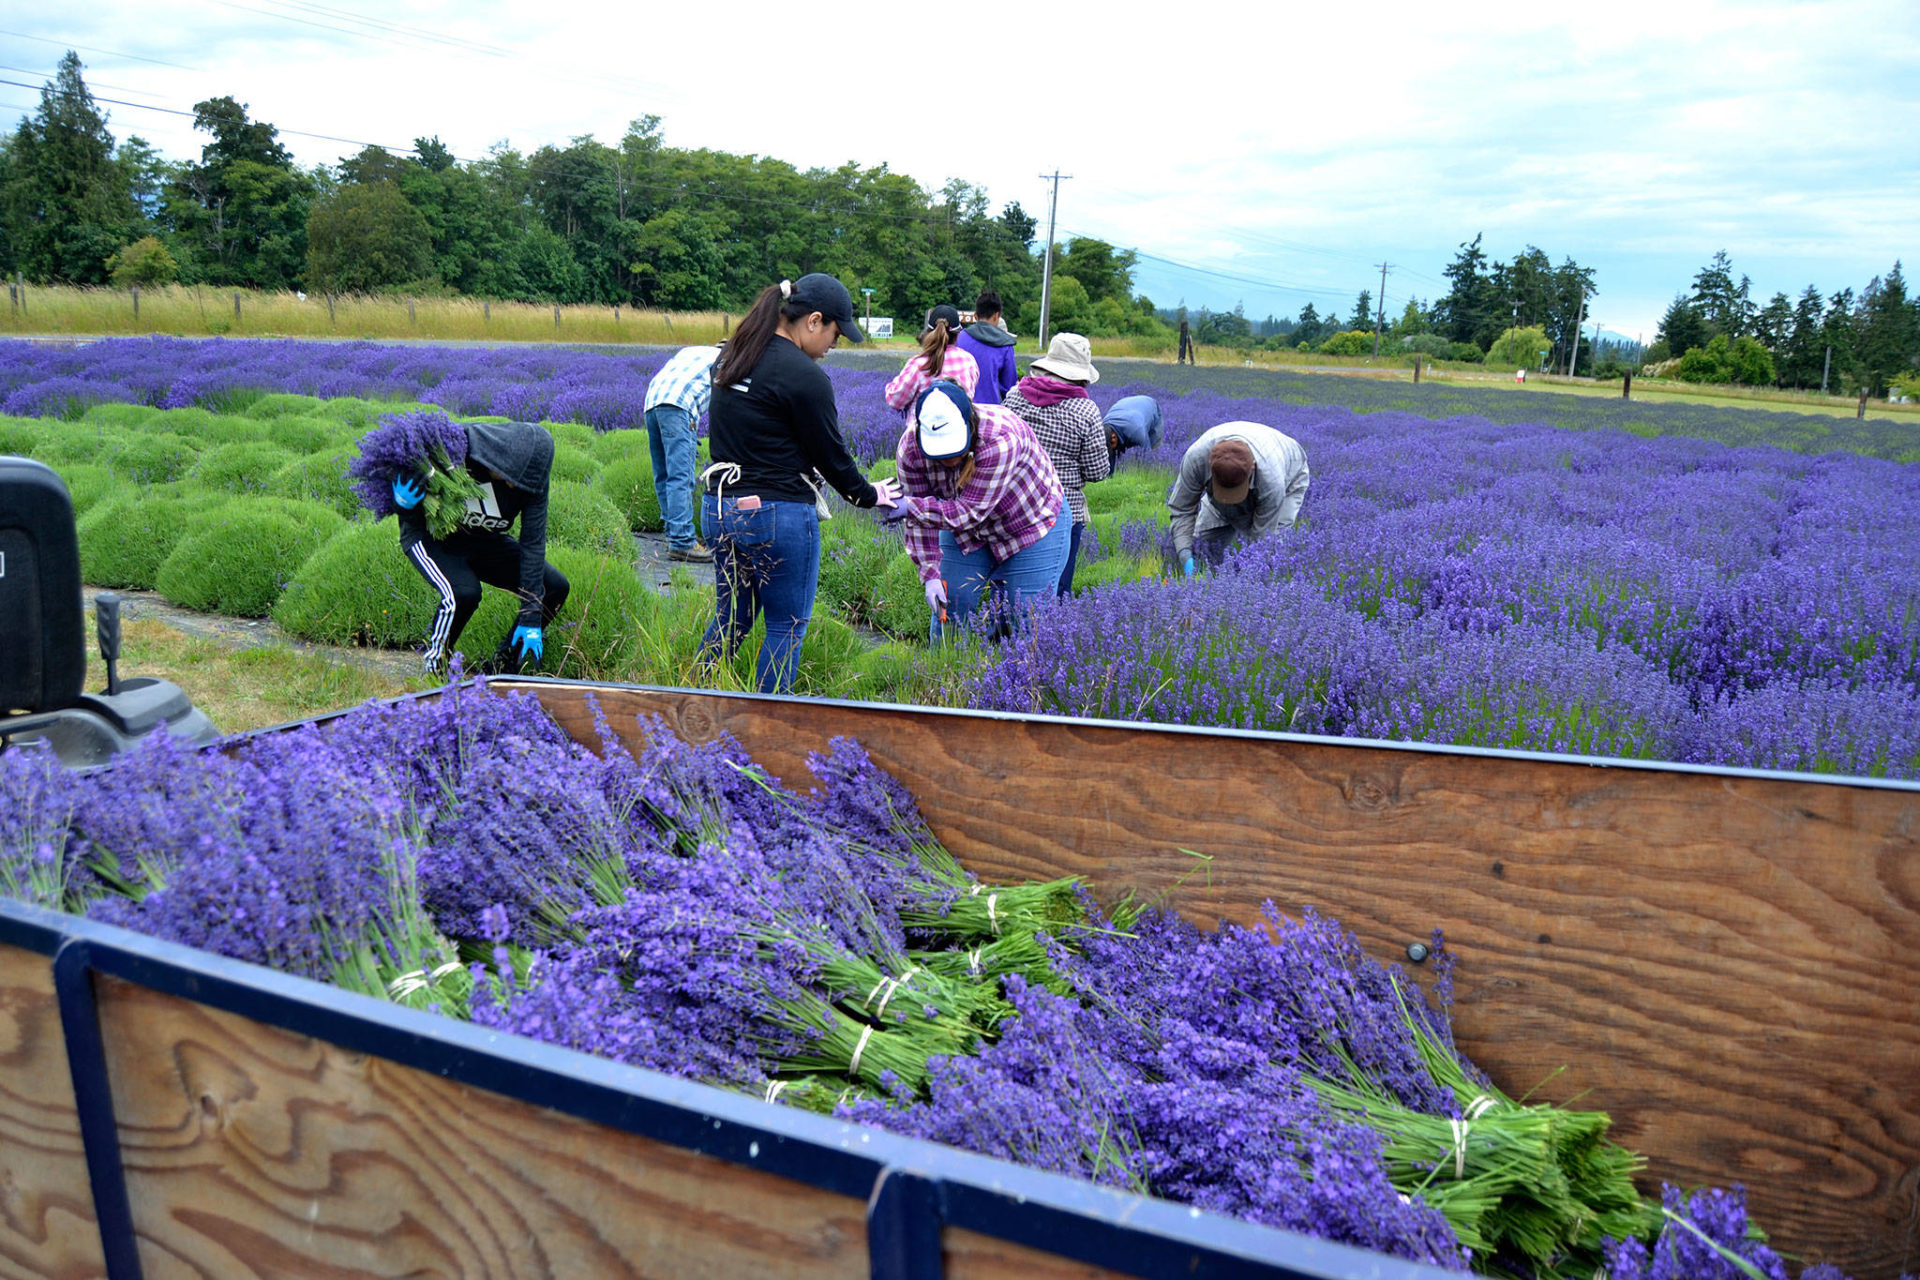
779, 423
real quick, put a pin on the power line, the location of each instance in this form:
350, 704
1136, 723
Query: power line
111, 53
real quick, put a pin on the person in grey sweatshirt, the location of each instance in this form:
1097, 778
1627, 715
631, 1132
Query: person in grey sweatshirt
512, 462
1239, 481
991, 348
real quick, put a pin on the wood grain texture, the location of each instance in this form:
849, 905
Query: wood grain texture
969, 1255
47, 1226
252, 1151
1727, 965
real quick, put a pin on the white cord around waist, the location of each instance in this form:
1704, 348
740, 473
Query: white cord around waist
729, 473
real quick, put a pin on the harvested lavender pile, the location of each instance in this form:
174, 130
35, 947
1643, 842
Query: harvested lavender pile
681, 911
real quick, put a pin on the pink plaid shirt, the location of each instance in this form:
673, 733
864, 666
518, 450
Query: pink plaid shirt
1010, 503
955, 366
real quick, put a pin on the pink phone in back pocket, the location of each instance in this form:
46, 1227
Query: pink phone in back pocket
749, 503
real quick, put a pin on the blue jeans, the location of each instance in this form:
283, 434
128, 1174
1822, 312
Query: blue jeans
670, 442
765, 560
1073, 556
1030, 572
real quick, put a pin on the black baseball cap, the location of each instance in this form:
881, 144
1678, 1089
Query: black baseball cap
820, 292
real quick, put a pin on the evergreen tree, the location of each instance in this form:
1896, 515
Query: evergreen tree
1310, 328
241, 212
1362, 318
1889, 333
1805, 353
1683, 328
1467, 307
65, 204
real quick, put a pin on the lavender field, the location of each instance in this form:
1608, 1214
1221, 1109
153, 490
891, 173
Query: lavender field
1617, 582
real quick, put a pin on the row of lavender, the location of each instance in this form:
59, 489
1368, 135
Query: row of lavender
1455, 581
678, 910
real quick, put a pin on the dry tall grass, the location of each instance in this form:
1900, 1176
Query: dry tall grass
199, 311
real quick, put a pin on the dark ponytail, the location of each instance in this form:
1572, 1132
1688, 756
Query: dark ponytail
934, 343
757, 327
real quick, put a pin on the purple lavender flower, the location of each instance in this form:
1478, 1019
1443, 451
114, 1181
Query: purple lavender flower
405, 444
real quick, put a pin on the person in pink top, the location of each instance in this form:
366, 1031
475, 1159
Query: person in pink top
983, 507
939, 357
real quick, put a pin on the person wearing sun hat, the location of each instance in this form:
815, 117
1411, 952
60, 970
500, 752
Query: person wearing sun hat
1053, 400
775, 438
940, 357
982, 508
1238, 482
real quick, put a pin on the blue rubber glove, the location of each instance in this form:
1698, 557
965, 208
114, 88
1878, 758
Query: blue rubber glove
1187, 567
407, 492
528, 641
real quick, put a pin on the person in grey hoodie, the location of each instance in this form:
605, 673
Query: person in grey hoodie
512, 463
991, 348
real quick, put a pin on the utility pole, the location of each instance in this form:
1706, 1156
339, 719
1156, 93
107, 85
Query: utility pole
1380, 317
1046, 268
1573, 356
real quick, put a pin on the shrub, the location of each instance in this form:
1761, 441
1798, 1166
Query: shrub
125, 416
283, 405
610, 447
628, 483
88, 483
236, 559
154, 459
580, 517
358, 588
1351, 343
21, 436
319, 477
240, 468
303, 435
321, 519
1466, 352
123, 540
144, 262
598, 634
354, 412
66, 443
576, 435
575, 466
1519, 348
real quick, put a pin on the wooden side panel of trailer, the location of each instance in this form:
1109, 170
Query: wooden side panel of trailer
1729, 964
47, 1224
250, 1150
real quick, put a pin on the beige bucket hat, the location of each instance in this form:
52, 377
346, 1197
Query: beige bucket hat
1069, 356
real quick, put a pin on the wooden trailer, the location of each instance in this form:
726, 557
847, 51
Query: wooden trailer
1722, 959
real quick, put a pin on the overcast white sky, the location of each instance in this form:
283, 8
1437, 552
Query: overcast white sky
1263, 154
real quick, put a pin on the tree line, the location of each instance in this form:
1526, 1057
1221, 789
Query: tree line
636, 223
1866, 341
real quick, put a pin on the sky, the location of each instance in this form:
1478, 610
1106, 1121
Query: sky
1251, 154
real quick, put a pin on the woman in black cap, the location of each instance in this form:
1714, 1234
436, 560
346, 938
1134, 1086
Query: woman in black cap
774, 431
940, 359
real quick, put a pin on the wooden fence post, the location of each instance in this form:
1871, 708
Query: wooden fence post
556, 317
1861, 412
136, 304
329, 310
486, 311
616, 315
1416, 368
409, 310
1626, 388
236, 308
669, 320
20, 283
726, 324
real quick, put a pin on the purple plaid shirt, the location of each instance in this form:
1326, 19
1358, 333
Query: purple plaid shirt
1010, 503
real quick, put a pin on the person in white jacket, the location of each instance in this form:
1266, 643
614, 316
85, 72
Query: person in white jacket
1238, 482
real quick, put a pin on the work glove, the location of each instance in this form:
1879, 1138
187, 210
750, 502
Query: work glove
408, 492
1187, 567
900, 510
528, 641
937, 596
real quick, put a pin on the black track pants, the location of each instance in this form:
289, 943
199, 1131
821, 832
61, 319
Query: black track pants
457, 567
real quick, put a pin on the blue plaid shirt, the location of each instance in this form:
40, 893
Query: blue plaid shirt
685, 380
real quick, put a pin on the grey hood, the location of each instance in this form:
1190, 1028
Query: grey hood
519, 452
991, 335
